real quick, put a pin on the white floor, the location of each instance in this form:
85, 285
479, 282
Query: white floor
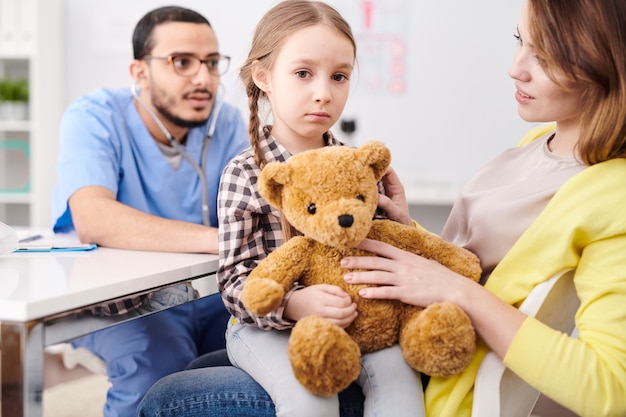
83, 397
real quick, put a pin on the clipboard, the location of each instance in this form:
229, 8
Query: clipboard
54, 247
32, 241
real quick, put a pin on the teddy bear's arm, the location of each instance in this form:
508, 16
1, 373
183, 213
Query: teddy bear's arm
428, 245
272, 278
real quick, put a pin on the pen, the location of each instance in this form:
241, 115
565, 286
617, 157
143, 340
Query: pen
30, 238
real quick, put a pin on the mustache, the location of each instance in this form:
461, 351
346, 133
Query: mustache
200, 91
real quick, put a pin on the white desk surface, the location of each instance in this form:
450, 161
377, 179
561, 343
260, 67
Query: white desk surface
36, 285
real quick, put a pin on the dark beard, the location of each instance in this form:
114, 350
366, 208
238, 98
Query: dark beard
188, 124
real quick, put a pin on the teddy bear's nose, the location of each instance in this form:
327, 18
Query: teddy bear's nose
346, 220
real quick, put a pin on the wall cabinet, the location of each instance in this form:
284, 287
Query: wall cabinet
31, 49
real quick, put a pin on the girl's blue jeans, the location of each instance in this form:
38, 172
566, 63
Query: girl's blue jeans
211, 387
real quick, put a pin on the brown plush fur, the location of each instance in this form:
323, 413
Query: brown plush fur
339, 181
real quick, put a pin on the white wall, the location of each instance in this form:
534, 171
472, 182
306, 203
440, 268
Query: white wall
456, 110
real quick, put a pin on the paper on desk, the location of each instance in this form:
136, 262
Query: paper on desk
8, 239
53, 242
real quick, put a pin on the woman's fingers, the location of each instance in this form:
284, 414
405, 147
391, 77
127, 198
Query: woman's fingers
379, 248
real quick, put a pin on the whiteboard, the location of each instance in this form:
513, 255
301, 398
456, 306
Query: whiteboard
432, 77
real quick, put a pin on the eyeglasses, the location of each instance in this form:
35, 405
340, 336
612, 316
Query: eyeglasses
188, 65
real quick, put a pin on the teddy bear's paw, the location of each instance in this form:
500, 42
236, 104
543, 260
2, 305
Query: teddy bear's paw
262, 295
325, 360
439, 341
468, 265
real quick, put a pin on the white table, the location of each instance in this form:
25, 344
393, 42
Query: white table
44, 298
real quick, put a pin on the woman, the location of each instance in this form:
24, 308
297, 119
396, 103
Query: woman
557, 202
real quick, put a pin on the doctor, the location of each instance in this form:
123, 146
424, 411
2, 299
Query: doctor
139, 168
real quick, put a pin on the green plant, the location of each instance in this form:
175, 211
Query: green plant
16, 91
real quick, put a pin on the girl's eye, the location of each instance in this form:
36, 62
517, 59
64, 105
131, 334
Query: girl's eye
340, 77
518, 38
302, 74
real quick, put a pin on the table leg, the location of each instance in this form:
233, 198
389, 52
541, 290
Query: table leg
22, 356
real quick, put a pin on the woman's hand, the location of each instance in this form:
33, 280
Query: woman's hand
412, 279
327, 301
394, 201
400, 275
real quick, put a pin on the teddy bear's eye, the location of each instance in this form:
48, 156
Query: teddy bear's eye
360, 197
312, 209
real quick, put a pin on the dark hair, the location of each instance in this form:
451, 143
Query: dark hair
583, 44
275, 26
142, 35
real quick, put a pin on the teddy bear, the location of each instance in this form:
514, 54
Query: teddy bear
330, 196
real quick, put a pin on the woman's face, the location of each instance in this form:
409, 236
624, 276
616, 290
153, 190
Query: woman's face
539, 98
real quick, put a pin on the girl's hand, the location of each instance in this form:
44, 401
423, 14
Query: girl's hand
394, 201
327, 301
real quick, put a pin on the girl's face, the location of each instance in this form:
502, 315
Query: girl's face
539, 98
308, 85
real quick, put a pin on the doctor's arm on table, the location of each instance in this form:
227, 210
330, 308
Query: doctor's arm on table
99, 218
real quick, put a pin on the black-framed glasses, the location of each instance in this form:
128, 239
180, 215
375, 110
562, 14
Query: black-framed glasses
188, 65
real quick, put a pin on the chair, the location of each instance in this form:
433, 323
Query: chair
498, 392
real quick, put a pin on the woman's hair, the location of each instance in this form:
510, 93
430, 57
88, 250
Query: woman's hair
277, 25
142, 35
583, 46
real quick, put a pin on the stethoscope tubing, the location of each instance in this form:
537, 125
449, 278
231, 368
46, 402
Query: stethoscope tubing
179, 148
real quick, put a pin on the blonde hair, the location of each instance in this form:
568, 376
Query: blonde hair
276, 25
583, 45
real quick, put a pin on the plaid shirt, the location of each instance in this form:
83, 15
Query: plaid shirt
120, 307
250, 229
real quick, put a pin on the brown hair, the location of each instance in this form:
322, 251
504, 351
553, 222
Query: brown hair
276, 25
583, 44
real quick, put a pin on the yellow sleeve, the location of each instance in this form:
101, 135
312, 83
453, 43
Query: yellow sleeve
418, 226
588, 373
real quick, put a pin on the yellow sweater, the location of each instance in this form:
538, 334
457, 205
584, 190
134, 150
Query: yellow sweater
583, 227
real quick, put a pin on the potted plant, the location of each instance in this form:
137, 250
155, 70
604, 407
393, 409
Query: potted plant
13, 99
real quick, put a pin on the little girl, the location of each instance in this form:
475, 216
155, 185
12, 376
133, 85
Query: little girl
300, 61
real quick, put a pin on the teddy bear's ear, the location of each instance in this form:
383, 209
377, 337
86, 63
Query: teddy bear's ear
377, 156
273, 178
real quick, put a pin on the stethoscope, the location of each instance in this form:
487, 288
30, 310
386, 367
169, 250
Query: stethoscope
179, 148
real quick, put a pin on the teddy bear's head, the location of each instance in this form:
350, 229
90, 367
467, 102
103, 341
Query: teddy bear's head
329, 194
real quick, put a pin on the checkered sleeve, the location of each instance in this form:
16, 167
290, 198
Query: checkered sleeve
249, 230
120, 307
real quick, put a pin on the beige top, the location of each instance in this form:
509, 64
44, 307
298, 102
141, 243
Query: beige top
499, 203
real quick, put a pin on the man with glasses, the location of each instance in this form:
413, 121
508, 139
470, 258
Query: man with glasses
139, 168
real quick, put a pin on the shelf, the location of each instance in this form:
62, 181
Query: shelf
7, 197
15, 56
31, 47
15, 125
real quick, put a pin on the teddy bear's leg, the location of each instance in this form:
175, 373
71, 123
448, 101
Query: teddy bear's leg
439, 340
324, 358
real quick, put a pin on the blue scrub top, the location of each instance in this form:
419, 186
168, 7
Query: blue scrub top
104, 142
